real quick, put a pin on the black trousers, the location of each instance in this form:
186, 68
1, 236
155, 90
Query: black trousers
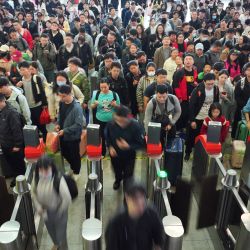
191, 134
15, 160
183, 120
70, 151
102, 129
35, 118
123, 166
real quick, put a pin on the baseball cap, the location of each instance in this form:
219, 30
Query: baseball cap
4, 48
199, 46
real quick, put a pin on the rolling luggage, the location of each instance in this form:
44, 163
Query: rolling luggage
242, 131
173, 158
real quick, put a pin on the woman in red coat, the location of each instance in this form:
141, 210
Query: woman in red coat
180, 44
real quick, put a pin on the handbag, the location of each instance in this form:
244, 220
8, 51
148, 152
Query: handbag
52, 142
45, 117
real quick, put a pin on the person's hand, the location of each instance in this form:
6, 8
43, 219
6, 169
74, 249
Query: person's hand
61, 133
135, 82
84, 105
53, 120
112, 152
223, 95
141, 109
113, 103
122, 144
46, 52
15, 149
96, 103
168, 127
193, 125
57, 128
248, 124
19, 84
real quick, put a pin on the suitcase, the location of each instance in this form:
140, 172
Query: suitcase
238, 152
83, 143
173, 158
242, 131
52, 142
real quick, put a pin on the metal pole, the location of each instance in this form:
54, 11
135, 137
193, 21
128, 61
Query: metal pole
10, 236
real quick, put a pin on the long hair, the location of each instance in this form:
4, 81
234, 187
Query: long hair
213, 106
45, 162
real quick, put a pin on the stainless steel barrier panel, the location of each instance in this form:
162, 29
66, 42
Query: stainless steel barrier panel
95, 166
243, 241
92, 226
173, 227
10, 236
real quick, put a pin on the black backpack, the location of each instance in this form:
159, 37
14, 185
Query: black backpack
98, 93
72, 186
164, 117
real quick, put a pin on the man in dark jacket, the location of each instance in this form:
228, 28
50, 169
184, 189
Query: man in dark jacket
137, 226
123, 137
202, 97
28, 6
30, 25
11, 138
66, 51
117, 83
69, 128
35, 95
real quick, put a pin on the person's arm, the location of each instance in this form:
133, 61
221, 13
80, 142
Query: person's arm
224, 131
86, 89
177, 110
78, 94
111, 235
29, 40
52, 104
36, 203
148, 115
24, 107
145, 101
204, 127
65, 196
52, 54
192, 104
16, 129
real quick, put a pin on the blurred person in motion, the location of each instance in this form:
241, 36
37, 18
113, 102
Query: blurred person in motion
123, 137
69, 128
137, 225
51, 201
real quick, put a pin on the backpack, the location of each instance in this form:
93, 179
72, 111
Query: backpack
98, 93
163, 118
22, 118
72, 186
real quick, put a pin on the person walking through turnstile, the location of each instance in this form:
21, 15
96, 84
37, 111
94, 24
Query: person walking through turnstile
137, 226
51, 197
123, 137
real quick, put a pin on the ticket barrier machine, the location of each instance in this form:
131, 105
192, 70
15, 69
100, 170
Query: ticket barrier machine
92, 226
157, 187
24, 229
219, 200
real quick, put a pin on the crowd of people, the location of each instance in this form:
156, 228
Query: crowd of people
150, 63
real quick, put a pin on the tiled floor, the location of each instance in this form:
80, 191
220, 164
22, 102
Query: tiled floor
194, 240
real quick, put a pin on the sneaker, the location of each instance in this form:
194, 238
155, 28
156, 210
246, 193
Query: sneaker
13, 183
187, 157
76, 177
116, 185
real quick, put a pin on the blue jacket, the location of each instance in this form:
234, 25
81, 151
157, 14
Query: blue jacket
73, 123
246, 108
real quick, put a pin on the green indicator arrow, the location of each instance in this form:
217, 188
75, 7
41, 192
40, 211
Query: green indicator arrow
162, 174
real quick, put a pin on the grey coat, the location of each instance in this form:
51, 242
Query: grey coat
73, 123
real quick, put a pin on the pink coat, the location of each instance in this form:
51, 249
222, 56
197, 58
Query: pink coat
232, 70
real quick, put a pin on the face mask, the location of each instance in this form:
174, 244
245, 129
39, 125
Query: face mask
164, 20
213, 17
210, 31
48, 176
60, 83
151, 73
